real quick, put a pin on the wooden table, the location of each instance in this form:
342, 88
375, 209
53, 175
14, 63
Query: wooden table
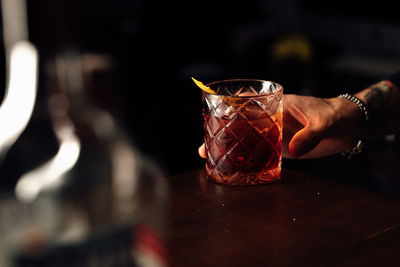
300, 220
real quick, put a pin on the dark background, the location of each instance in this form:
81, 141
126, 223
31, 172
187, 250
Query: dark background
156, 46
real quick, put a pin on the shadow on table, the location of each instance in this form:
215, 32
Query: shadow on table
376, 169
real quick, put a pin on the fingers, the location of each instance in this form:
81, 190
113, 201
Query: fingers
202, 151
304, 141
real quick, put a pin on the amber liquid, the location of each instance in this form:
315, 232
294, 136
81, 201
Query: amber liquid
243, 151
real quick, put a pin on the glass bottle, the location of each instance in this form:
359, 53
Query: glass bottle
97, 201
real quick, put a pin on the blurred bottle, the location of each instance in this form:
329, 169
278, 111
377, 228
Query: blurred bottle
98, 201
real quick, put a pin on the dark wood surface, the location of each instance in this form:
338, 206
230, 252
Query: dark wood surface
300, 220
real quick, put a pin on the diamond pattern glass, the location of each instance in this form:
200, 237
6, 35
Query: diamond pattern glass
243, 132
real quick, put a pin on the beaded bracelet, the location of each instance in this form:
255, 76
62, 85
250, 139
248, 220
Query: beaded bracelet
363, 136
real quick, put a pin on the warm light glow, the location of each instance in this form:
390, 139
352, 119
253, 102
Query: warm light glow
50, 174
19, 100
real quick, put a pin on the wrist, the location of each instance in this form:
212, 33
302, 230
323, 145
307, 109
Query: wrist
360, 121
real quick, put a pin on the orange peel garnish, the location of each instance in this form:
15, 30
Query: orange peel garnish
203, 87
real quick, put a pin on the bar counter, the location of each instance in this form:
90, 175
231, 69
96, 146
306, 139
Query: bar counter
301, 220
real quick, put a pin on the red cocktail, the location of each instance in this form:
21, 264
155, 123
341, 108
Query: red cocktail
243, 132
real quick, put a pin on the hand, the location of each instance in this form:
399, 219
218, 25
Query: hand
318, 127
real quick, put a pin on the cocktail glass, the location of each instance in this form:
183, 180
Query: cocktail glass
243, 131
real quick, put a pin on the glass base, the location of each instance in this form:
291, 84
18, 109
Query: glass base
240, 179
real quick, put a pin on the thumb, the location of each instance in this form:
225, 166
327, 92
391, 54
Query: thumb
304, 141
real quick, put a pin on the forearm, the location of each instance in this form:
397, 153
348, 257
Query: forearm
383, 103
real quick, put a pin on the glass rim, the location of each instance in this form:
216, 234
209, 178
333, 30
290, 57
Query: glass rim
279, 87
